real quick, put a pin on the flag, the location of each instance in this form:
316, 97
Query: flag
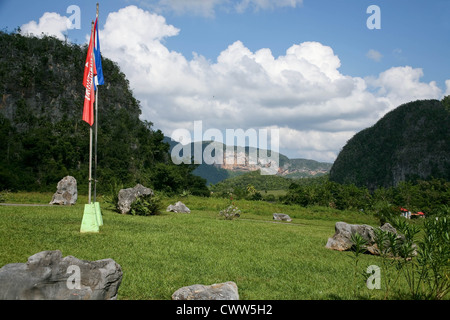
99, 80
88, 83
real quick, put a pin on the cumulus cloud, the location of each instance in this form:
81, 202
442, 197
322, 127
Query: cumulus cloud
447, 87
50, 23
302, 92
399, 85
374, 55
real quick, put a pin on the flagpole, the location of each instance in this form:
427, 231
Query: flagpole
95, 156
90, 164
90, 146
92, 219
96, 128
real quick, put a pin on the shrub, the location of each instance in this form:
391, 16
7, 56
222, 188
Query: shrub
270, 198
257, 196
3, 195
146, 205
424, 264
231, 212
433, 259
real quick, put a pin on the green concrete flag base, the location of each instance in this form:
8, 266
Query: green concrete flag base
92, 218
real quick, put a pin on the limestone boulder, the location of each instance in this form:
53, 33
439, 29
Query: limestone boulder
281, 217
48, 276
127, 196
220, 291
178, 207
66, 192
341, 239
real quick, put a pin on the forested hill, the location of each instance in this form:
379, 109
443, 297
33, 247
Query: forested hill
42, 136
409, 143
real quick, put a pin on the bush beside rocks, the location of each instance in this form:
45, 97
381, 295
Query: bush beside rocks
342, 241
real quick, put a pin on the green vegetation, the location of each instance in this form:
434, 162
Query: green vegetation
161, 253
409, 143
423, 262
425, 196
146, 206
400, 162
250, 185
42, 136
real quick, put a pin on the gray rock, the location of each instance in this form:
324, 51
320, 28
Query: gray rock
49, 276
281, 217
341, 240
66, 191
388, 227
129, 195
221, 291
178, 207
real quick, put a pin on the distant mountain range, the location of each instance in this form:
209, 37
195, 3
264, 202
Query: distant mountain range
240, 162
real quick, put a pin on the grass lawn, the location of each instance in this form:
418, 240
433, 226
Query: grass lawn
159, 254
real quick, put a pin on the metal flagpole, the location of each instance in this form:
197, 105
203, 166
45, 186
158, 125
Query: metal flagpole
90, 146
95, 160
96, 128
92, 215
90, 163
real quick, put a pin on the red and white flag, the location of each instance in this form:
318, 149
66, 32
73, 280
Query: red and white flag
88, 82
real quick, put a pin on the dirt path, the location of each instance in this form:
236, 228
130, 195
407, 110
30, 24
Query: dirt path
26, 204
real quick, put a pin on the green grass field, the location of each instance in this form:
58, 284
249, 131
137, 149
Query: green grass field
159, 254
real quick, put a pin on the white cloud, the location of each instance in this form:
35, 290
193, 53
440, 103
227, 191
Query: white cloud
50, 23
208, 8
399, 85
447, 87
302, 92
313, 144
266, 4
197, 7
374, 55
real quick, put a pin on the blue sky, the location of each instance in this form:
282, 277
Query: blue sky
406, 59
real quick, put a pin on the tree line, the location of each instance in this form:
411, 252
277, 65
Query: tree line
42, 136
427, 196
